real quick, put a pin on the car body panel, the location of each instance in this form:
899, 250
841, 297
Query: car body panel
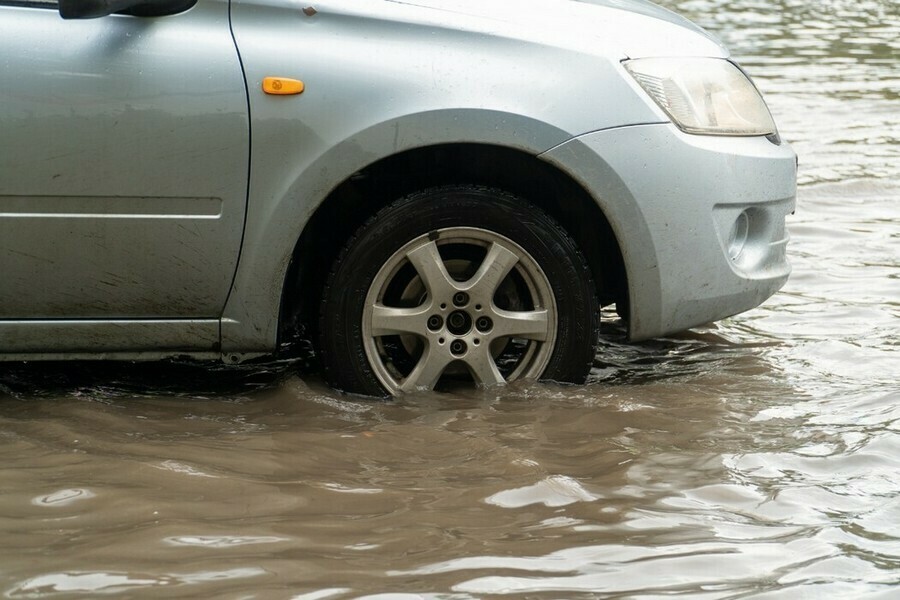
123, 173
675, 224
385, 77
103, 338
633, 28
133, 155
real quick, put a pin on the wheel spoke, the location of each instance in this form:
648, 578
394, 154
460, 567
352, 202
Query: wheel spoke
457, 321
389, 320
529, 324
483, 368
427, 371
493, 270
430, 267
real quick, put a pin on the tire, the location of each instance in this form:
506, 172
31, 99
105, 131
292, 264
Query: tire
457, 282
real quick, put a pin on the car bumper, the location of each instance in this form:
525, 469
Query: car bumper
679, 206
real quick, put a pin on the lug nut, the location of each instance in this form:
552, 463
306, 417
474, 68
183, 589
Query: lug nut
484, 324
435, 322
458, 347
460, 299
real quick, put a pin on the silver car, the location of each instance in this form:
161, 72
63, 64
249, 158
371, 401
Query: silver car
428, 190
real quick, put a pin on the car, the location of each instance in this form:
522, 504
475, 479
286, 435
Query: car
428, 191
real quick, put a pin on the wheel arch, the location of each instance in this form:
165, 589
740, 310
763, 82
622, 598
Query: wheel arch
358, 197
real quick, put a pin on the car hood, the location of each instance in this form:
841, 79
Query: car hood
632, 28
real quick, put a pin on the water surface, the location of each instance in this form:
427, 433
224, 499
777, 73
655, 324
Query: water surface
755, 458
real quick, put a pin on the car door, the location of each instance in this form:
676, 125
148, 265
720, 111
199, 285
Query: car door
124, 145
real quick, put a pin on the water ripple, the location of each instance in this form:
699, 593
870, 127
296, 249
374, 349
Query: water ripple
757, 457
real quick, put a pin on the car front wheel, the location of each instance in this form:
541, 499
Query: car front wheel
462, 283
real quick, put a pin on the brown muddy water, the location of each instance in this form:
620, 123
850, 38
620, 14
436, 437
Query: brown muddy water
756, 458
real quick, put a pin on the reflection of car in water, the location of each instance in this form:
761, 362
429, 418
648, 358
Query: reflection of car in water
426, 189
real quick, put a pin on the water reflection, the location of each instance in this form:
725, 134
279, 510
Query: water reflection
757, 457
434, 490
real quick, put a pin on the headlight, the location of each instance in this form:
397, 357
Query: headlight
709, 96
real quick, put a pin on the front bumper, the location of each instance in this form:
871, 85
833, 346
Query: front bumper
679, 206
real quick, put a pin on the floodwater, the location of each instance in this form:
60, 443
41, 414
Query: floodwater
756, 458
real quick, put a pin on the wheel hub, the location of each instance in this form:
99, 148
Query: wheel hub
455, 325
459, 322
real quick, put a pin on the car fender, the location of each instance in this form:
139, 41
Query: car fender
250, 320
385, 77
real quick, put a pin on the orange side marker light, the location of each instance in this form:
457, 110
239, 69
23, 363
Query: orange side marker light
282, 86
